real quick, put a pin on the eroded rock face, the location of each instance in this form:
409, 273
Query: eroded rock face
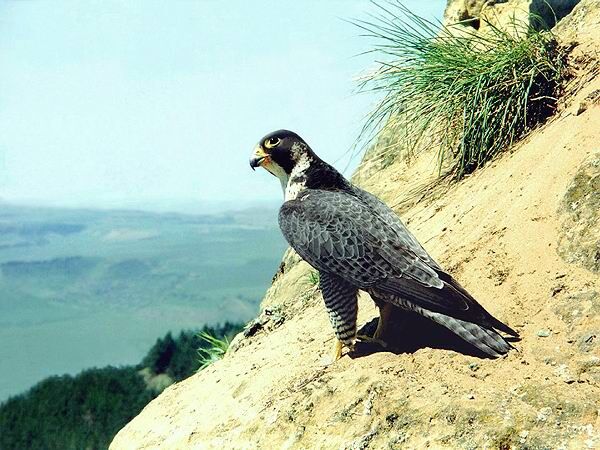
495, 232
579, 240
504, 14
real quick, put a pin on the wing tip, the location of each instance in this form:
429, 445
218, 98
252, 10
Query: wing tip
501, 326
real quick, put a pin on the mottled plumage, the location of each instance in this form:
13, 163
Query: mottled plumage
355, 241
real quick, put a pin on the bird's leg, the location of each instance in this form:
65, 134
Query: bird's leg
385, 313
372, 340
342, 307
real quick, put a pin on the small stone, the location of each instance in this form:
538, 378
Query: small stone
557, 289
543, 413
474, 366
544, 333
563, 372
587, 341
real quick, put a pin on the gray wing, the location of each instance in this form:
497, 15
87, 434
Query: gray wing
392, 219
338, 232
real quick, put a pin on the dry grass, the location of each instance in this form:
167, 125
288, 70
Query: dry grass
470, 96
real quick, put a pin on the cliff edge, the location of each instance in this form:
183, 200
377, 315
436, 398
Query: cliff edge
521, 235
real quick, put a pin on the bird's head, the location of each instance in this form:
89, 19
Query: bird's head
280, 153
287, 156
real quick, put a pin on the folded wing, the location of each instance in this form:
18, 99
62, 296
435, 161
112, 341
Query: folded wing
343, 233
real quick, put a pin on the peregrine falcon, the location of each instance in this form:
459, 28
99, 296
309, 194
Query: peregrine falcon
356, 241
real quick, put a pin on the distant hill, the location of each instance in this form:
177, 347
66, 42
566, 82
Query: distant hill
85, 411
82, 287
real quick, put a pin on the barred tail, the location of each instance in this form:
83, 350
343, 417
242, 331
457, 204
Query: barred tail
485, 339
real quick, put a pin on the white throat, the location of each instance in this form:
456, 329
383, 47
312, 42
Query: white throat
296, 181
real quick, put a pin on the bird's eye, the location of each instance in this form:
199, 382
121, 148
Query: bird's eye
272, 142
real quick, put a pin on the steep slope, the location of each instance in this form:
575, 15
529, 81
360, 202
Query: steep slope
498, 232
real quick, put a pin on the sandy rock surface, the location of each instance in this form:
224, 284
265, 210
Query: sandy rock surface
502, 233
478, 15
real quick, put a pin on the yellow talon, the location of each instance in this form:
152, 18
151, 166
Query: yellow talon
337, 350
335, 354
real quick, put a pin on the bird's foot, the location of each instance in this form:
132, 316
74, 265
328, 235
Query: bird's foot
372, 340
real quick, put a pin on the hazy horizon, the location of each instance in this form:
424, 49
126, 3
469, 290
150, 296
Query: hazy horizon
157, 105
177, 206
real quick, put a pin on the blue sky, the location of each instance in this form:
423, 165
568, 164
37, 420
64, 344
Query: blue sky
157, 105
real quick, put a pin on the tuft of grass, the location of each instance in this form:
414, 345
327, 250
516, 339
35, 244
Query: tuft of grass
314, 278
212, 349
471, 95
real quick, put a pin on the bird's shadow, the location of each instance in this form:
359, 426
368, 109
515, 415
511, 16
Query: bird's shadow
409, 332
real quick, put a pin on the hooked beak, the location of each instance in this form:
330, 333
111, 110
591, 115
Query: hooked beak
258, 157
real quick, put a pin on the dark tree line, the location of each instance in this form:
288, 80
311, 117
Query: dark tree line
178, 357
85, 411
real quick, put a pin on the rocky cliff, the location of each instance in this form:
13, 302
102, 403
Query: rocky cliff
521, 235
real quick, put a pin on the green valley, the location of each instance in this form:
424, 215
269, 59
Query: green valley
82, 288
